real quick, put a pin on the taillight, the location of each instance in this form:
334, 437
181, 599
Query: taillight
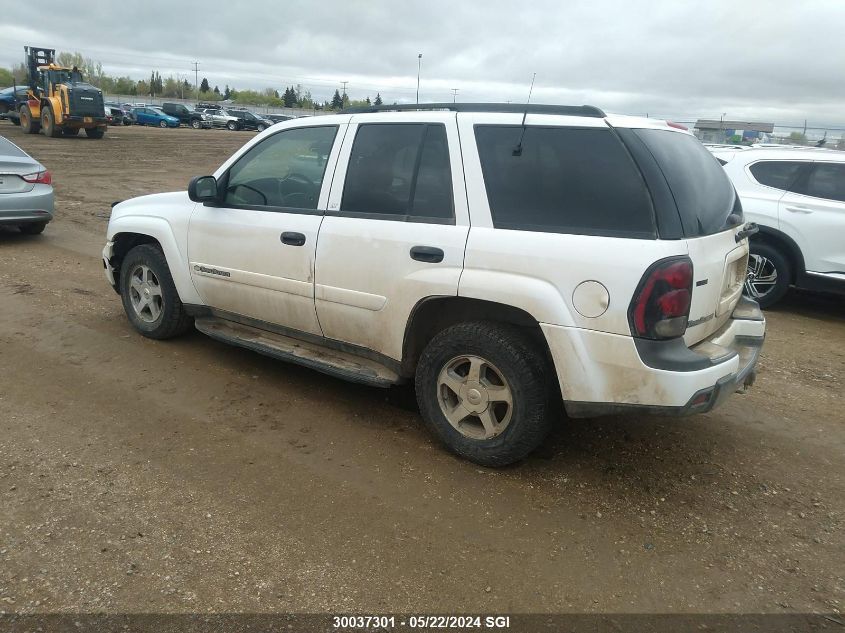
39, 177
660, 308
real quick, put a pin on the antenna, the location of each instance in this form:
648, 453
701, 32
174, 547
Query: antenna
518, 149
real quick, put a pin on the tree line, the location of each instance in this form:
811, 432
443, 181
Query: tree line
180, 88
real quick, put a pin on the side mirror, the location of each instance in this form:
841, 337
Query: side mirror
203, 189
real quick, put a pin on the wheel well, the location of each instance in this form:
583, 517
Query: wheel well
435, 314
784, 244
125, 242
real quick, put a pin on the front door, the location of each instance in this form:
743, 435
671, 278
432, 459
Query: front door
252, 254
395, 231
814, 213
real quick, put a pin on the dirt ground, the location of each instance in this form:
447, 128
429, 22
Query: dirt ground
145, 476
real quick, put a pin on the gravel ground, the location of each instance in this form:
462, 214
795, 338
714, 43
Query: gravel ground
188, 476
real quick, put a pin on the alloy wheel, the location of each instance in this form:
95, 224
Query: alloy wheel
475, 397
145, 294
762, 276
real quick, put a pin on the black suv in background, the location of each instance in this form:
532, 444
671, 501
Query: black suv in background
251, 121
187, 116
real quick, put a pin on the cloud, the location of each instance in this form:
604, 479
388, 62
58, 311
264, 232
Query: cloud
752, 59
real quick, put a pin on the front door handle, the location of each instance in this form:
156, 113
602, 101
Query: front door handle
427, 254
292, 238
799, 209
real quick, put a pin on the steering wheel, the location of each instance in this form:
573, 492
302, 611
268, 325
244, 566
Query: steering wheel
299, 178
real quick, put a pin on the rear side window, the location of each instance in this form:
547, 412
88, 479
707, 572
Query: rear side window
702, 191
399, 171
780, 174
827, 180
565, 180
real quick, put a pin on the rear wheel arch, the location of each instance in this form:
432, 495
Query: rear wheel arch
432, 315
786, 246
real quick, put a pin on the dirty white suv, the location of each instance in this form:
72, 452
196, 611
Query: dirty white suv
500, 258
797, 197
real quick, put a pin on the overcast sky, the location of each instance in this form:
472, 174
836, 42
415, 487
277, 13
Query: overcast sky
774, 60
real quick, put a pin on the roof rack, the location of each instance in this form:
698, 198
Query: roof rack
531, 108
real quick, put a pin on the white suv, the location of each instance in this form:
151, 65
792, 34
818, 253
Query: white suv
797, 197
501, 258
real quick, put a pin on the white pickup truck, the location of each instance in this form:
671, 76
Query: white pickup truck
501, 257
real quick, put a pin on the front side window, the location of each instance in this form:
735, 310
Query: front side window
285, 170
780, 174
827, 180
563, 180
399, 171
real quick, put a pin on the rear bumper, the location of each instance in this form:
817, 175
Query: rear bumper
24, 208
602, 374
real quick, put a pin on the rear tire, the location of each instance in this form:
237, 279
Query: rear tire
769, 274
149, 295
70, 131
33, 228
162, 123
484, 389
94, 132
48, 123
27, 124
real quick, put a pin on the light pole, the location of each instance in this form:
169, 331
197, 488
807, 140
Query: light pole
419, 66
454, 94
721, 127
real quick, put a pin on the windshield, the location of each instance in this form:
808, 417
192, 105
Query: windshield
702, 191
158, 111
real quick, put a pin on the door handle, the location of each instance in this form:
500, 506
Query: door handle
427, 254
291, 238
799, 209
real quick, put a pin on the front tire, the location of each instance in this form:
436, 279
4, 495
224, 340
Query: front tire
484, 389
149, 295
261, 128
769, 274
27, 124
195, 124
232, 125
162, 123
70, 131
95, 132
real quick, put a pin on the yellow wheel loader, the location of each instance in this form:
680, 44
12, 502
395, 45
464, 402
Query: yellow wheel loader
59, 102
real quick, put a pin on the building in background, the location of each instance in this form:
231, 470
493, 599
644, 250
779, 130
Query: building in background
723, 131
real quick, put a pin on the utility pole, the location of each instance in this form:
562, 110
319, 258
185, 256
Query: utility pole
197, 78
454, 94
344, 87
419, 66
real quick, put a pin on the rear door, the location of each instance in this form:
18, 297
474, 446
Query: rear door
705, 200
815, 214
395, 230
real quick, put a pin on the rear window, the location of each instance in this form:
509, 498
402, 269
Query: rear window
827, 180
565, 180
702, 191
780, 174
7, 148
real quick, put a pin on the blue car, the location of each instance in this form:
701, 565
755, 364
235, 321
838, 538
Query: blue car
154, 116
7, 98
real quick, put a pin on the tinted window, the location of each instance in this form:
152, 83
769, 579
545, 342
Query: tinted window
780, 174
399, 170
285, 170
565, 180
827, 180
702, 191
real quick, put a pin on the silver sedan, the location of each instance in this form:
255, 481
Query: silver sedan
26, 190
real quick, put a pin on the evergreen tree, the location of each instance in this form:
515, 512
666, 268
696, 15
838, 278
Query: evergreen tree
226, 93
204, 85
290, 98
217, 90
368, 101
337, 101
378, 100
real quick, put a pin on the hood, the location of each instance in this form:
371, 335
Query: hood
154, 205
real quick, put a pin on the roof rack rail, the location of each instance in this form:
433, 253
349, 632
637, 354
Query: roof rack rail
532, 108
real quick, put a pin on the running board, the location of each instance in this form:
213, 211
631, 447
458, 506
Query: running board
329, 361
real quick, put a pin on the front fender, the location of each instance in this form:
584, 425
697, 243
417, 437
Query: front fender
161, 231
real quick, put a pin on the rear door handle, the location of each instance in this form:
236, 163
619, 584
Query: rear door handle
799, 209
427, 254
291, 238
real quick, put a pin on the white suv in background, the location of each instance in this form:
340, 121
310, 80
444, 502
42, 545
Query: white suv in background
498, 257
797, 197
